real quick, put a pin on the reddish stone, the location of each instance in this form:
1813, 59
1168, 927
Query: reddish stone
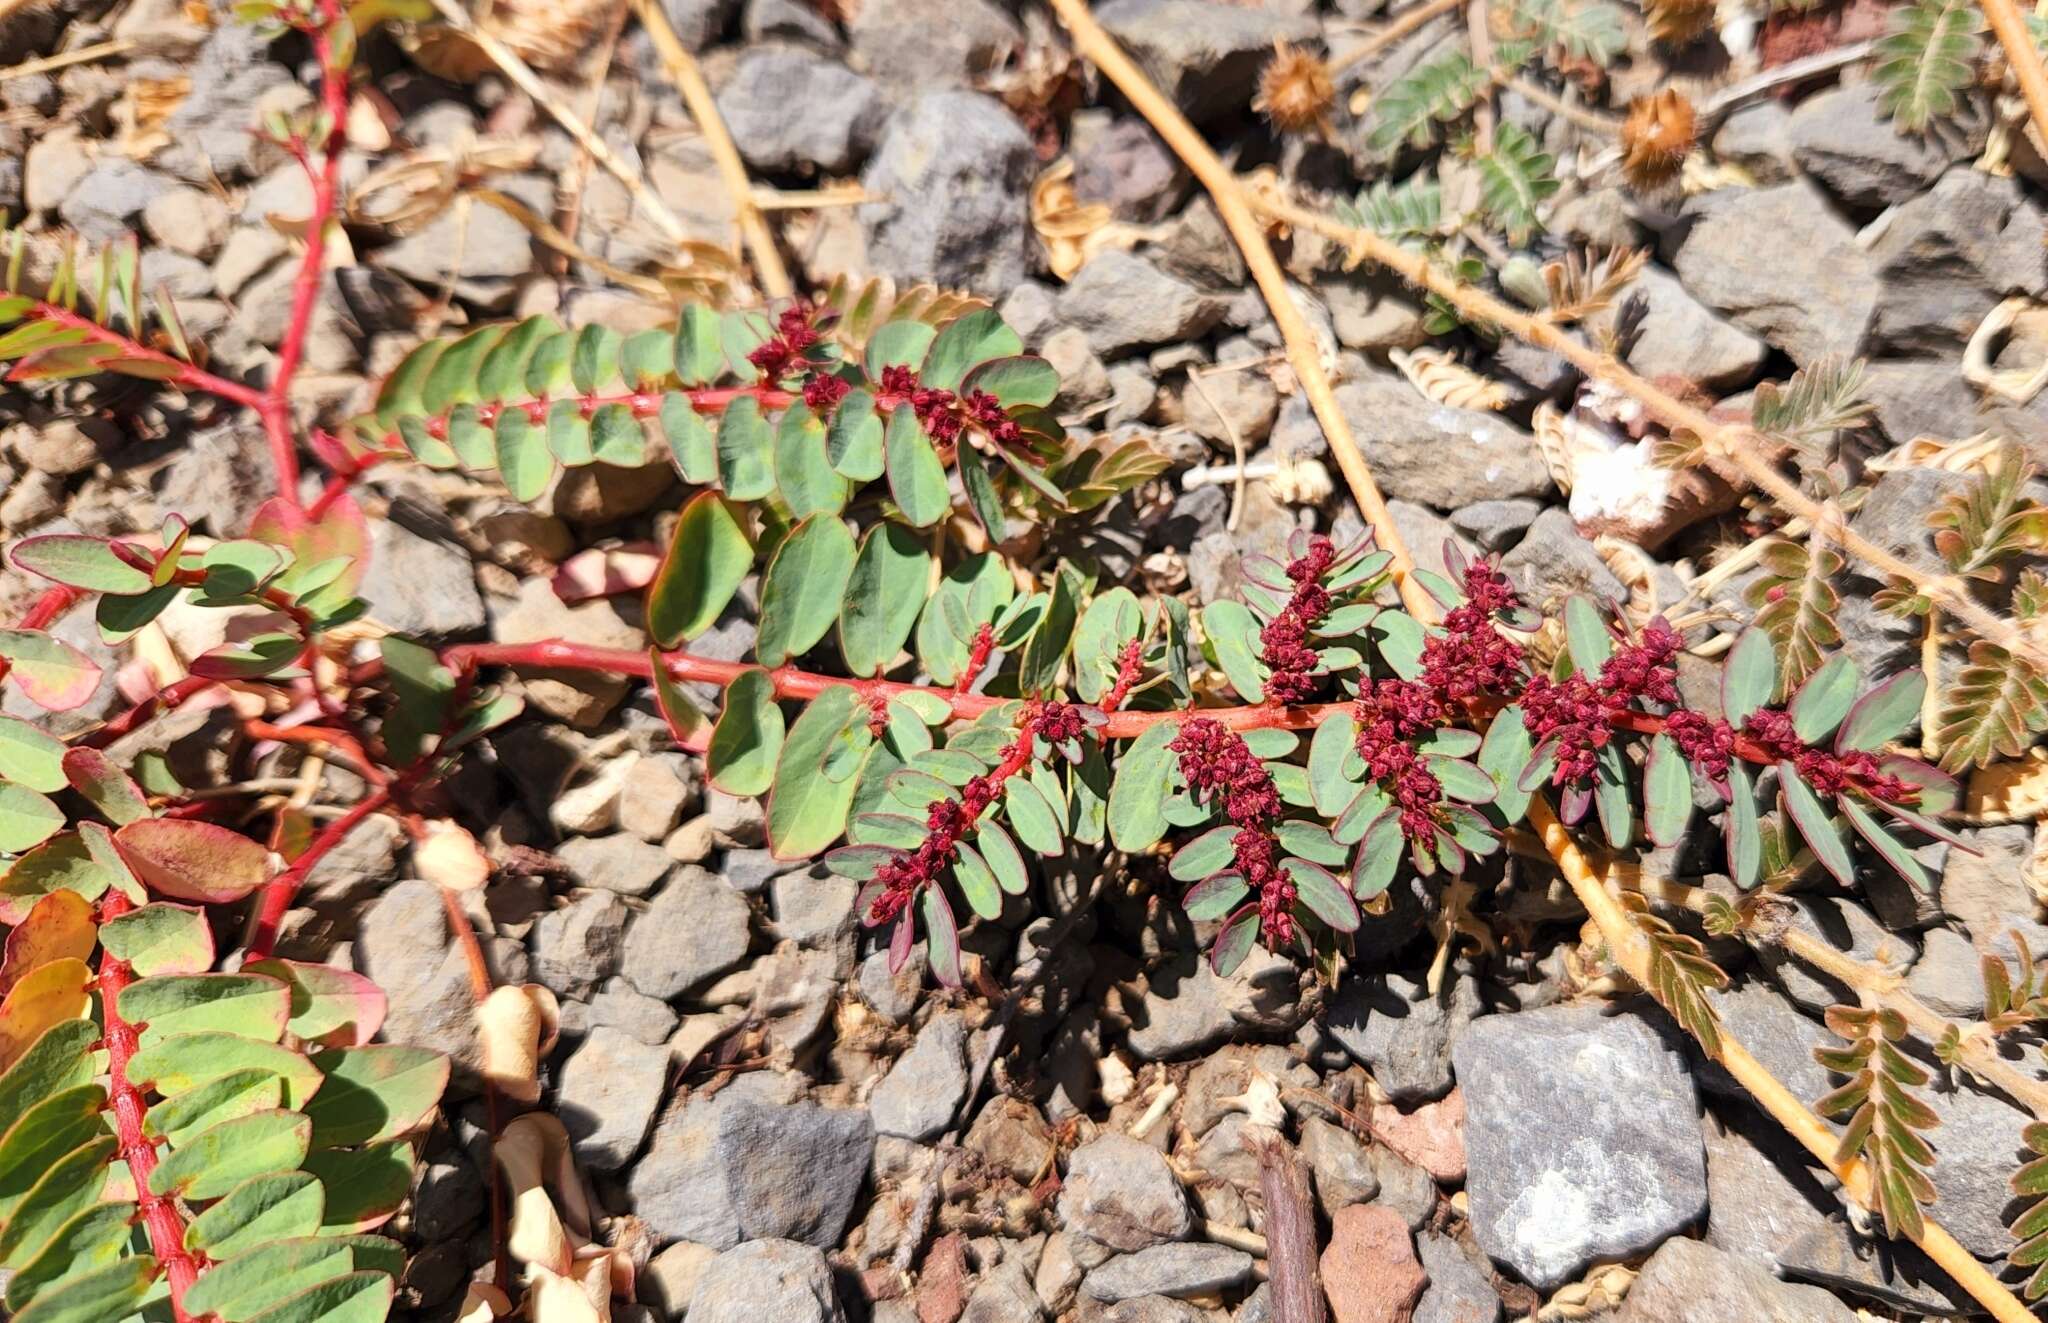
1369, 1271
1432, 1136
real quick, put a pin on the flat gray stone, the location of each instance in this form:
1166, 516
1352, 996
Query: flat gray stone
611, 1087
1121, 302
953, 169
917, 1098
696, 928
619, 862
1850, 929
1441, 456
1811, 298
1120, 1193
1204, 55
1172, 1270
1563, 1173
1459, 1290
1681, 337
1400, 1033
793, 1172
577, 947
790, 110
1687, 1281
766, 1281
1843, 138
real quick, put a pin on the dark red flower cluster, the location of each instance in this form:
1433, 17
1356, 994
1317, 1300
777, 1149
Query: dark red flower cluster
986, 412
947, 820
1828, 772
1578, 712
1130, 664
1708, 743
934, 408
1284, 640
1391, 713
823, 392
1215, 761
782, 354
1471, 657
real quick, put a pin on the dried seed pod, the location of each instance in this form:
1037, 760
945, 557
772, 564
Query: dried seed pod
1296, 91
1678, 22
1656, 138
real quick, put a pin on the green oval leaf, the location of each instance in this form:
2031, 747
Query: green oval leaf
966, 342
524, 460
1744, 830
27, 818
1883, 714
1749, 676
1214, 896
259, 1210
977, 882
747, 739
81, 562
246, 1004
1321, 894
375, 1092
746, 467
808, 484
187, 859
1137, 796
54, 675
1811, 817
708, 556
803, 588
807, 803
917, 481
1826, 698
883, 596
853, 439
1667, 792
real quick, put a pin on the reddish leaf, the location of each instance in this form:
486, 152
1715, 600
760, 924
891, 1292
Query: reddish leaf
52, 673
340, 531
59, 927
187, 859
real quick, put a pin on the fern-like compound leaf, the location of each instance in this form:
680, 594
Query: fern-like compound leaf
1583, 29
1435, 92
1406, 212
1995, 707
1515, 178
1822, 398
1992, 520
1680, 975
1924, 64
1885, 1120
1796, 605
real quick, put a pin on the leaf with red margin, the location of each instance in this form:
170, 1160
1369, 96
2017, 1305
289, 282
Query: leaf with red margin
52, 673
331, 1007
187, 859
341, 530
92, 774
59, 927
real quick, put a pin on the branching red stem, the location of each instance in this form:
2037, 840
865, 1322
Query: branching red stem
159, 1212
279, 892
186, 376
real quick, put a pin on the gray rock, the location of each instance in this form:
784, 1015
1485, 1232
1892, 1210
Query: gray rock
1153, 1309
1810, 298
1987, 893
793, 1172
1395, 1029
1496, 525
917, 1098
812, 906
1762, 1020
211, 131
766, 1281
696, 928
790, 111
1892, 1273
1204, 55
1686, 1281
618, 862
449, 1199
1920, 397
1124, 302
1120, 162
1894, 514
1005, 1294
1562, 1174
1552, 562
1758, 137
953, 169
1339, 1164
1012, 1137
894, 997
1978, 1146
1435, 454
1083, 379
106, 202
494, 247
748, 871
1404, 1187
1949, 254
1948, 976
611, 1087
1843, 138
678, 1185
1171, 1270
791, 20
660, 790
420, 585
1030, 311
181, 276
1120, 1193
577, 947
1459, 1290
402, 943
1243, 403
1188, 1006
699, 22
616, 1005
1681, 337
918, 44
1850, 929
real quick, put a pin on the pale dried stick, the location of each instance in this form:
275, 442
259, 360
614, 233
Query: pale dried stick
1408, 21
1100, 49
2024, 60
527, 81
696, 94
64, 60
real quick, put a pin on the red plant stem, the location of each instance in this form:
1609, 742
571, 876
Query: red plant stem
797, 684
159, 1212
178, 372
275, 405
279, 892
340, 740
1130, 665
977, 657
163, 700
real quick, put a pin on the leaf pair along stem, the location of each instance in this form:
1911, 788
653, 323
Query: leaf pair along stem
1726, 447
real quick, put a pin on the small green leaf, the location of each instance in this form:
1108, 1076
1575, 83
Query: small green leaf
690, 443
1883, 714
1240, 932
1034, 820
917, 480
568, 433
26, 818
1020, 379
982, 497
92, 1240
942, 937
804, 588
1749, 676
215, 1161
1214, 896
883, 596
1039, 660
594, 359
524, 461
360, 1297
746, 466
1744, 831
699, 346
503, 374
1005, 860
106, 787
747, 739
98, 1295
708, 556
1826, 698
1889, 847
1322, 895
64, 1189
1667, 792
816, 773
329, 1006
808, 484
239, 1093
237, 1289
647, 358
1586, 635
245, 1004
965, 343
365, 1186
81, 562
1234, 635
1379, 856
1311, 842
1504, 755
617, 438
453, 379
52, 673
898, 344
1137, 797
375, 1092
1811, 817
183, 1062
259, 1210
1461, 780
187, 859
853, 439
977, 882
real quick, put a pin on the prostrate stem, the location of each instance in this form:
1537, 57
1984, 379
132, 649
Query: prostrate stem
2020, 53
